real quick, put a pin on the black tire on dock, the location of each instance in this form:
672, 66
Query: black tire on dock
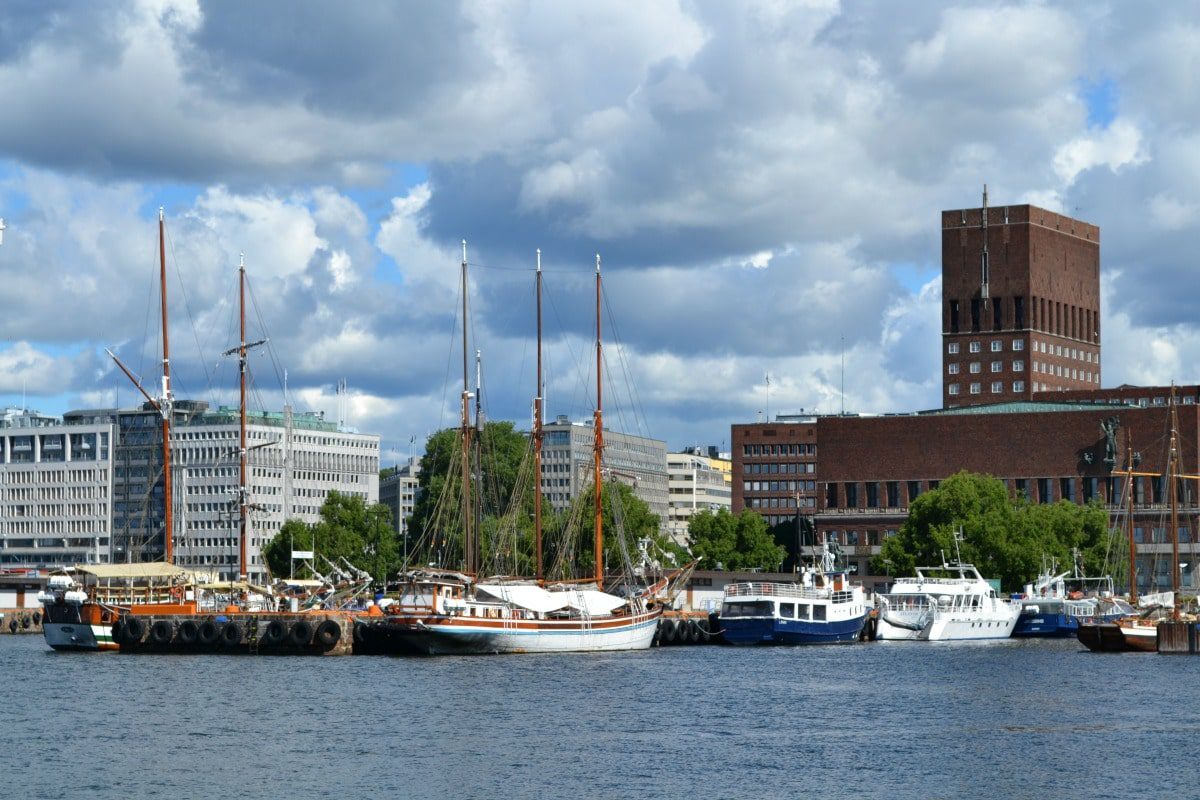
231, 634
208, 633
672, 632
162, 632
118, 630
328, 633
37, 617
273, 634
694, 634
25, 623
187, 632
357, 633
12, 625
135, 630
656, 641
300, 634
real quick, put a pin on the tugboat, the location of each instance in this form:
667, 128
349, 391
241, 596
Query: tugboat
821, 608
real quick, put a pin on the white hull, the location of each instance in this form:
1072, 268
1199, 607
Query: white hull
78, 636
547, 636
946, 626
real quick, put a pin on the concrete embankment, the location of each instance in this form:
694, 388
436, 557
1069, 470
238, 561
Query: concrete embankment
20, 620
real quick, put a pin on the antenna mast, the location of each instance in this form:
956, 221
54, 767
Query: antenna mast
598, 446
984, 292
166, 404
468, 540
537, 434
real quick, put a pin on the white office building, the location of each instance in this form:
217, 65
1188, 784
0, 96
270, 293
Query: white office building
696, 483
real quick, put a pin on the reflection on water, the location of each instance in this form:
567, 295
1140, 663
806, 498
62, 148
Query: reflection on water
895, 720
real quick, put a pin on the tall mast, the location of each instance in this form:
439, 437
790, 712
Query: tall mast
598, 446
1172, 473
537, 434
166, 405
1129, 519
468, 543
243, 510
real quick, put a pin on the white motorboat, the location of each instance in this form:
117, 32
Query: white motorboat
963, 606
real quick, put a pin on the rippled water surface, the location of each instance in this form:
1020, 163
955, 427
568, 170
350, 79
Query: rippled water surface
890, 720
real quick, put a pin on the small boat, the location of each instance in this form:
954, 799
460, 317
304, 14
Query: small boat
81, 605
1052, 607
933, 609
821, 608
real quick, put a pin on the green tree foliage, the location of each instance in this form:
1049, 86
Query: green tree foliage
349, 529
736, 543
1005, 539
638, 523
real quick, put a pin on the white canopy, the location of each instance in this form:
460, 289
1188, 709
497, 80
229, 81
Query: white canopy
592, 602
149, 569
534, 598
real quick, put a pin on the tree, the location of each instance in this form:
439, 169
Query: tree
348, 528
735, 543
1004, 539
638, 522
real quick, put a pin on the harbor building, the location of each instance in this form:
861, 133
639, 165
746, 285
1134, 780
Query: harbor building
89, 488
1022, 401
295, 461
398, 490
56, 491
695, 482
1020, 304
638, 461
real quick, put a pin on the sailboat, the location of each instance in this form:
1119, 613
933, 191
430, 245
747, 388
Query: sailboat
453, 612
82, 604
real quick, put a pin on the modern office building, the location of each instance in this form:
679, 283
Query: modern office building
1020, 304
89, 488
398, 491
56, 491
634, 460
695, 482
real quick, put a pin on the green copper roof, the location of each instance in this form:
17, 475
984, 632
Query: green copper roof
1024, 407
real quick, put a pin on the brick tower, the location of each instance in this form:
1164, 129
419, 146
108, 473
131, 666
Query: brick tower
1020, 304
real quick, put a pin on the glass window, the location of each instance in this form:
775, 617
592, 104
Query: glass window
997, 387
997, 345
974, 347
952, 368
952, 348
975, 388
1018, 345
997, 366
952, 388
975, 368
1018, 386
1018, 366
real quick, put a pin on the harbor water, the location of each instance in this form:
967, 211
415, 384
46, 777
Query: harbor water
888, 720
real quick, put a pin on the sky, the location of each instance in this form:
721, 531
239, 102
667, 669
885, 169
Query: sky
762, 181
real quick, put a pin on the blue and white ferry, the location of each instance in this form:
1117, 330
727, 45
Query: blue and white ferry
821, 608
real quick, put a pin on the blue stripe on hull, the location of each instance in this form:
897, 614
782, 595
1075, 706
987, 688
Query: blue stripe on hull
742, 631
1050, 625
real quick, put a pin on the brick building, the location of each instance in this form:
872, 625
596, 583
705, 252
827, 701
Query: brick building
1021, 401
1020, 304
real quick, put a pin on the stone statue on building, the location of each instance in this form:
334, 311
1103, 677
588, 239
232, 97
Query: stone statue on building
1109, 426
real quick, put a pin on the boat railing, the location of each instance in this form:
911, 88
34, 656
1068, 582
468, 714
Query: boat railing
906, 602
776, 590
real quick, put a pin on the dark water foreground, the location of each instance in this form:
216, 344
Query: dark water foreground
890, 720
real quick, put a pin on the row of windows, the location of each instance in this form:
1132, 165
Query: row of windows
997, 387
779, 469
779, 449
1066, 372
995, 345
779, 486
975, 367
780, 502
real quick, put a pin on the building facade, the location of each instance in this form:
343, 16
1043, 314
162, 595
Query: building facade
775, 468
294, 462
634, 460
1020, 304
695, 482
398, 491
56, 491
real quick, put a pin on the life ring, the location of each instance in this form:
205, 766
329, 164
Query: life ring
231, 635
135, 630
301, 634
208, 633
161, 632
328, 633
187, 632
274, 632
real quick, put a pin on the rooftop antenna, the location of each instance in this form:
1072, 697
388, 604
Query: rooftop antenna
958, 537
842, 385
768, 412
1, 230
983, 275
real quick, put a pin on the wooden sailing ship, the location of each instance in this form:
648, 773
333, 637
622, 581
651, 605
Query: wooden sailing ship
448, 612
